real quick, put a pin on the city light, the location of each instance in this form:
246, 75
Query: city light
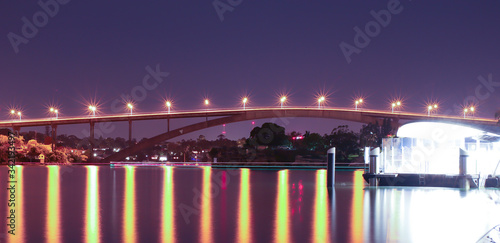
169, 104
245, 100
358, 103
395, 104
282, 101
320, 99
19, 114
131, 107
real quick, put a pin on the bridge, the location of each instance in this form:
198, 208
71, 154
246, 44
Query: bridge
225, 116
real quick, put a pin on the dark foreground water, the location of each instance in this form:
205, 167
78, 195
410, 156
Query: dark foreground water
175, 204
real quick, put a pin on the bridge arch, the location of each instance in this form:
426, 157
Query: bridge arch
253, 115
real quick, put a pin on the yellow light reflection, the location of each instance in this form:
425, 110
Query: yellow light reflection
321, 216
92, 222
128, 220
282, 220
244, 208
357, 207
168, 212
19, 232
206, 207
53, 217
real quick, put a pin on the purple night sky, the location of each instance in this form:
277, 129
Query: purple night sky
443, 51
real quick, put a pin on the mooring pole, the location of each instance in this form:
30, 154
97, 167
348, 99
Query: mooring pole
374, 154
330, 171
462, 170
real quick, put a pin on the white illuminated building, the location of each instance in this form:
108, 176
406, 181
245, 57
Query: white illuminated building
433, 148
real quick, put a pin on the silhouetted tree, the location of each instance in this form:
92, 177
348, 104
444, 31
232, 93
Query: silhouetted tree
369, 135
345, 141
270, 134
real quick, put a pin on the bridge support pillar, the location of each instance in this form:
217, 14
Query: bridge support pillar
330, 171
54, 136
16, 130
129, 132
168, 125
91, 140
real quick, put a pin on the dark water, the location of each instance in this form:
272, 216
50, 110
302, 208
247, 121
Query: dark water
176, 204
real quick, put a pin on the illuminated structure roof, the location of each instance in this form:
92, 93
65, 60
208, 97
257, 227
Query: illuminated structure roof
444, 131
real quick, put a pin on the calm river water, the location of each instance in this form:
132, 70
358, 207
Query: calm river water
201, 204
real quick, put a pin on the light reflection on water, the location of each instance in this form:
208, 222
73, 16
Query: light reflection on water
244, 209
206, 207
129, 228
320, 223
282, 224
357, 205
168, 213
53, 217
92, 224
241, 206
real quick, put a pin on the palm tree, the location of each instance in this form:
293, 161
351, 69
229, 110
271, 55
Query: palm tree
497, 115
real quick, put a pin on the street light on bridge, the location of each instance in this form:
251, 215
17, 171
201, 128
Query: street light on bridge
93, 109
320, 99
282, 101
395, 104
245, 100
357, 102
131, 107
430, 108
14, 113
207, 102
471, 110
169, 104
55, 111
